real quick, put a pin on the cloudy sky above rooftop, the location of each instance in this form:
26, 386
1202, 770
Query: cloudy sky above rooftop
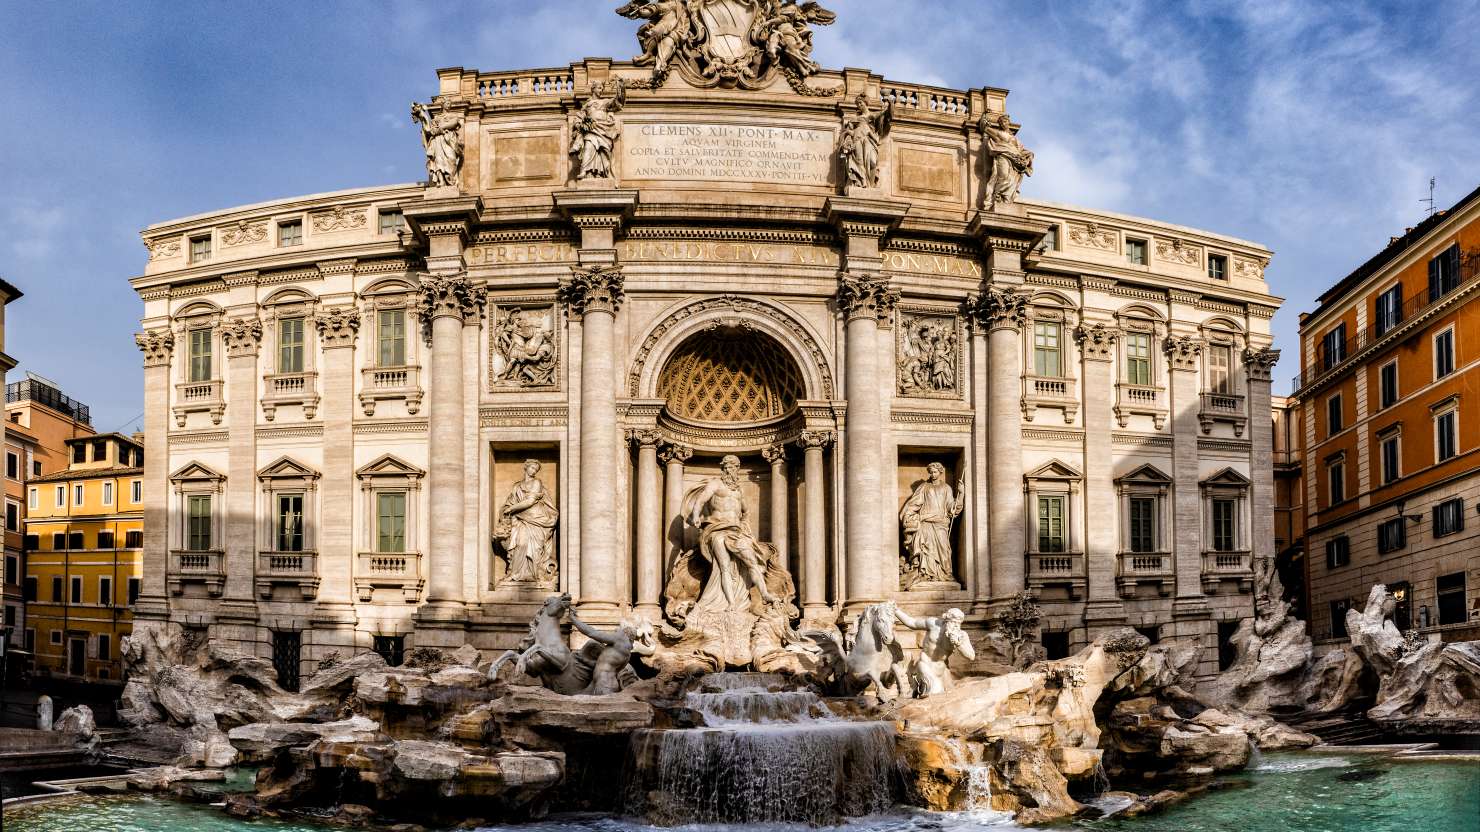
1311, 127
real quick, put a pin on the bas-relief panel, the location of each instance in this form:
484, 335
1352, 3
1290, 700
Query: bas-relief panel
928, 355
523, 347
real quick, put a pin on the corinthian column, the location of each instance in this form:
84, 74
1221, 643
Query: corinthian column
814, 525
864, 301
1097, 345
446, 301
240, 337
337, 328
592, 295
1183, 358
156, 344
1258, 369
649, 523
1003, 314
780, 533
673, 456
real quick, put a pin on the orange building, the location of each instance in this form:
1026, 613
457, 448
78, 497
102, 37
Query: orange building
1289, 500
10, 586
1389, 397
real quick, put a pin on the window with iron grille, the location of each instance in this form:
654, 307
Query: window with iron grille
391, 648
286, 650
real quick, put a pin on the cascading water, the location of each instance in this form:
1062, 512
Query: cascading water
763, 756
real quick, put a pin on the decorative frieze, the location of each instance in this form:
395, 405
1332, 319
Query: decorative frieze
866, 296
1096, 341
1092, 235
592, 289
928, 356
156, 344
241, 336
1259, 364
162, 248
339, 218
997, 309
337, 326
244, 232
1182, 352
1175, 251
523, 351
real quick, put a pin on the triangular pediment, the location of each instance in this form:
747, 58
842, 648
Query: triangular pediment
286, 467
1228, 477
195, 471
1053, 470
1147, 473
390, 465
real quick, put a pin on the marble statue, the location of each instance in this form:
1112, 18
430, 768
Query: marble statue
43, 713
1008, 160
668, 27
927, 517
927, 357
526, 530
601, 665
612, 669
594, 130
873, 660
929, 671
784, 27
443, 140
858, 145
525, 348
726, 540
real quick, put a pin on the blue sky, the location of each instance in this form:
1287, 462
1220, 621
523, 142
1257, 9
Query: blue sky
1312, 127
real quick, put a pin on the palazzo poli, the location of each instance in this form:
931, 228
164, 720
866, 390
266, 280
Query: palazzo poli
732, 349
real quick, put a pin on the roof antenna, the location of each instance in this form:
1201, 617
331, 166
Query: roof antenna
1430, 200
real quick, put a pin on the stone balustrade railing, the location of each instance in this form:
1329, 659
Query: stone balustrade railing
384, 383
388, 570
197, 566
1138, 568
530, 82
1056, 568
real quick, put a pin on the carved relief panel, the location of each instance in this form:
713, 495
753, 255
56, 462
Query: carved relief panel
927, 356
524, 348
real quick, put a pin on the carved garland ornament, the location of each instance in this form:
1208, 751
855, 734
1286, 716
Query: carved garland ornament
866, 296
241, 336
339, 218
244, 232
1090, 235
1175, 251
160, 249
592, 289
156, 344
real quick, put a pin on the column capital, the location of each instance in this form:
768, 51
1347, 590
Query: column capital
645, 437
447, 296
1097, 341
1259, 364
241, 336
1182, 351
996, 309
592, 289
337, 326
866, 296
775, 454
675, 453
156, 344
816, 438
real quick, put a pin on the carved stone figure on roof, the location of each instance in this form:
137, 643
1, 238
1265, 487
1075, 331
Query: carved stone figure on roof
858, 145
594, 130
441, 135
1008, 161
667, 27
788, 35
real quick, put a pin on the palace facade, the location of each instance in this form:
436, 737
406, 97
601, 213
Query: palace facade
404, 415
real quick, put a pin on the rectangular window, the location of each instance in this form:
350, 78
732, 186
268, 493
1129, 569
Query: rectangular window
79, 453
200, 355
1333, 347
1446, 436
1338, 618
1338, 552
1392, 535
1051, 537
105, 591
12, 516
12, 465
1444, 353
391, 222
198, 522
1050, 239
390, 521
1220, 358
286, 649
76, 589
1336, 480
1224, 530
56, 636
12, 569
78, 492
32, 587
200, 248
136, 491
105, 648
59, 541
1138, 358
1217, 267
1333, 415
290, 523
1449, 517
75, 541
61, 495
1387, 381
390, 648
107, 493
1444, 273
1046, 354
33, 499
133, 539
133, 591
31, 543
100, 451
1135, 252
105, 540
1388, 309
1143, 524
56, 589
290, 233
1390, 459
290, 345
390, 335
35, 468
30, 645
1451, 589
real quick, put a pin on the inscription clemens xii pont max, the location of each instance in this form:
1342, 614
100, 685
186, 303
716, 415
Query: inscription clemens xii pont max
742, 153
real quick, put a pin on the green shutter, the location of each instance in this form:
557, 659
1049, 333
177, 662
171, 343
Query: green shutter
390, 523
391, 337
290, 345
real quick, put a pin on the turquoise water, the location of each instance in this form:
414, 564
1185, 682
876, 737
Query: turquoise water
1286, 793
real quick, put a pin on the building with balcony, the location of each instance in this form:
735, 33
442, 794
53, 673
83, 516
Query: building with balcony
344, 390
84, 535
1391, 444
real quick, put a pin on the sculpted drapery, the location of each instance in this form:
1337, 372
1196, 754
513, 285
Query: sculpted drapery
927, 517
526, 530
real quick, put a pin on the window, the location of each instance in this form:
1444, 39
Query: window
1046, 350
1051, 536
1336, 480
31, 542
35, 468
1333, 415
200, 248
1444, 353
1388, 309
12, 516
290, 233
76, 589
290, 345
59, 541
1392, 535
1151, 632
1224, 525
1138, 358
1220, 357
61, 495
1451, 589
78, 492
1135, 252
1338, 552
1143, 524
12, 569
390, 521
136, 491
105, 591
1449, 517
1390, 458
390, 648
200, 355
1055, 645
33, 499
133, 539
56, 590
286, 648
100, 451
107, 493
56, 636
1050, 239
105, 540
1446, 437
29, 593
133, 591
198, 522
1387, 382
79, 453
1333, 347
75, 541
1217, 267
1227, 651
1338, 618
1444, 272
391, 222
105, 650
12, 465
390, 335
290, 523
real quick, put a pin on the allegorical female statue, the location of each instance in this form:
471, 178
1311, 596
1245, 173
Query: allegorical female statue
594, 129
927, 517
442, 138
526, 530
863, 131
1007, 159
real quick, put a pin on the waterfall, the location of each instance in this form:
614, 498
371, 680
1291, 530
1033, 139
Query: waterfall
763, 756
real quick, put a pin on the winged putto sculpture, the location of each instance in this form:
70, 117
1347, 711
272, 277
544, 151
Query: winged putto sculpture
729, 43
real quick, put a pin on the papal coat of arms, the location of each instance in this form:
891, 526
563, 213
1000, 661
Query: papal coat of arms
729, 43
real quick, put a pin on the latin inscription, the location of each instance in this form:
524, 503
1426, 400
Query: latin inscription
937, 264
704, 251
727, 152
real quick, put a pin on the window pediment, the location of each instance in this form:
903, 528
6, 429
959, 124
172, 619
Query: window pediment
1147, 474
196, 472
285, 468
1227, 478
1053, 471
389, 466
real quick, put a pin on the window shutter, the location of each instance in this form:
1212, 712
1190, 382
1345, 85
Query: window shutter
1330, 554
1451, 264
1434, 290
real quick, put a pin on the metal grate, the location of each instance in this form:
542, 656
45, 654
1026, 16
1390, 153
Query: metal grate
286, 649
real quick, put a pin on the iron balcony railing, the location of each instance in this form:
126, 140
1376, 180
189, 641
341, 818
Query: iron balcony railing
35, 391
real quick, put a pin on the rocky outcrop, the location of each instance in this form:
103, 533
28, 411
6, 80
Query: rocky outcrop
535, 717
1432, 684
1273, 652
261, 741
78, 721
